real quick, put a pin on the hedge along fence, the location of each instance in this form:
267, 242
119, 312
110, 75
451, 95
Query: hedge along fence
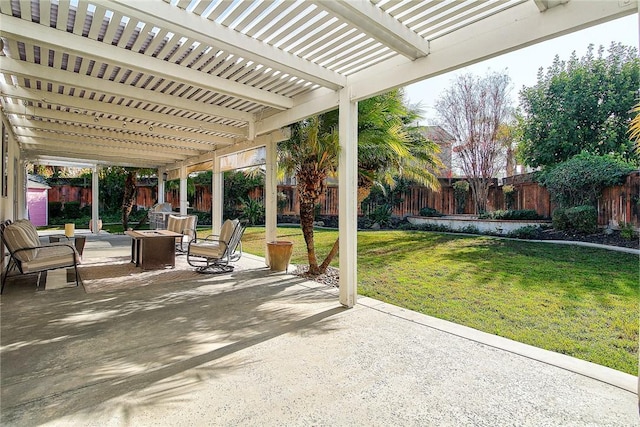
618, 205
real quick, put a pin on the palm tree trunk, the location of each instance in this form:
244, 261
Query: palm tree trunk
306, 223
330, 256
129, 198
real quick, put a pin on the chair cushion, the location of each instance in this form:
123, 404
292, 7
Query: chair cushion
17, 236
209, 249
226, 231
51, 257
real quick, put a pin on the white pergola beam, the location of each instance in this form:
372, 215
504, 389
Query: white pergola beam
116, 139
132, 113
114, 56
40, 144
190, 25
204, 141
515, 28
75, 80
524, 24
379, 25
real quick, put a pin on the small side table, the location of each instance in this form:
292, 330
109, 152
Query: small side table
79, 241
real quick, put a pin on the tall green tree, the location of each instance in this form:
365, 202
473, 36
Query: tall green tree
581, 105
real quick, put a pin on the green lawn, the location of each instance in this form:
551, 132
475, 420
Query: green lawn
574, 300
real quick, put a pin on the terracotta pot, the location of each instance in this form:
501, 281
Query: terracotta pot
279, 254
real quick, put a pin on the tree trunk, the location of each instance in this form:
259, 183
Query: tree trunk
129, 198
330, 256
306, 223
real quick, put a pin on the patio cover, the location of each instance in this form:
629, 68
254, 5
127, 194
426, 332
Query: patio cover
173, 83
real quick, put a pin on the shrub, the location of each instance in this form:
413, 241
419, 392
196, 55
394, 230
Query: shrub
381, 215
559, 219
583, 218
460, 190
581, 179
509, 196
526, 232
253, 211
628, 231
429, 212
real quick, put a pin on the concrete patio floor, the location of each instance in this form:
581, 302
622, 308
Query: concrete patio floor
261, 348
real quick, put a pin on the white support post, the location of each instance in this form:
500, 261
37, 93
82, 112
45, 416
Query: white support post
348, 192
184, 201
271, 196
22, 185
95, 198
161, 184
217, 196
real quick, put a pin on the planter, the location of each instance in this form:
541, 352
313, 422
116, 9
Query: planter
460, 222
99, 225
279, 254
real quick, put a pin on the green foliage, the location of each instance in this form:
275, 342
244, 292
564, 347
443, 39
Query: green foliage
559, 219
381, 215
237, 186
111, 188
583, 219
526, 232
460, 190
509, 196
583, 104
581, 179
515, 215
253, 211
427, 211
628, 231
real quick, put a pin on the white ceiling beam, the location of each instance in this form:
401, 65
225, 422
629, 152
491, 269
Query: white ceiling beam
369, 19
60, 159
209, 32
260, 141
44, 146
74, 80
514, 28
92, 133
517, 27
132, 113
548, 4
51, 140
110, 124
88, 49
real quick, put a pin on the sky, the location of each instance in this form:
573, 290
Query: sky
522, 65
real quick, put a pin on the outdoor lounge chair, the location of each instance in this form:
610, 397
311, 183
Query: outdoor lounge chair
185, 225
214, 254
28, 255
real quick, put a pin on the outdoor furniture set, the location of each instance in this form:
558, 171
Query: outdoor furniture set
150, 249
28, 255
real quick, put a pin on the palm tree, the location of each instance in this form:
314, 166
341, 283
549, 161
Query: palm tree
312, 155
390, 146
634, 127
388, 149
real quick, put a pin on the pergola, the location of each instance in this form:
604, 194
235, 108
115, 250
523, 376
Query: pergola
171, 84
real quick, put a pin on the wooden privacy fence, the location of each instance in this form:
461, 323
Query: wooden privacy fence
618, 205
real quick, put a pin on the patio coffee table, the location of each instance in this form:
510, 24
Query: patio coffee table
153, 249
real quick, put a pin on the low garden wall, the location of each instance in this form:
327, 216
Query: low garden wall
465, 222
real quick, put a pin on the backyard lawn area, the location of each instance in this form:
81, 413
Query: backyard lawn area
569, 299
